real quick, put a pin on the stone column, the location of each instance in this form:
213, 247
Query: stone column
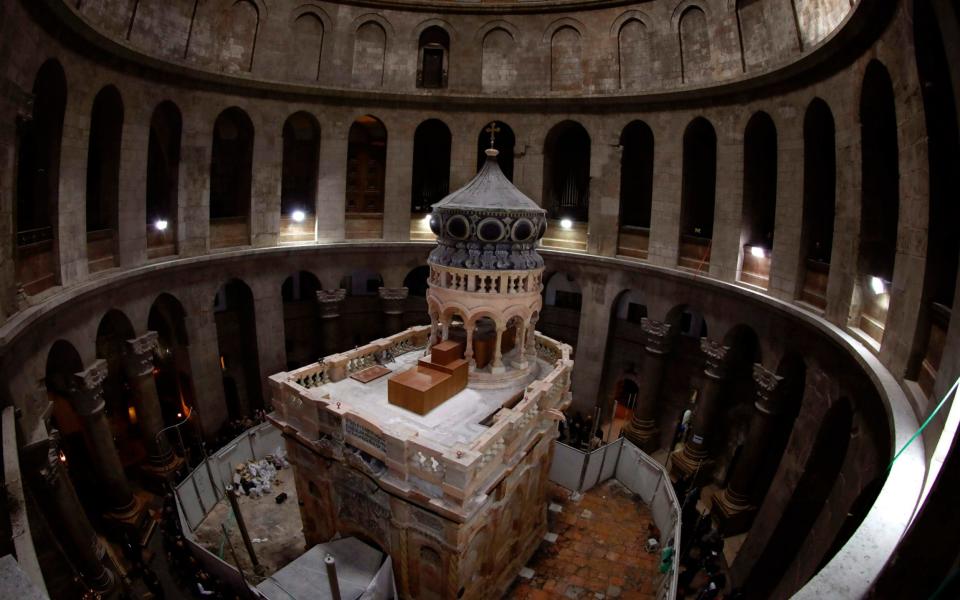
392, 303
138, 364
694, 457
531, 340
434, 327
642, 429
330, 303
468, 351
54, 492
733, 506
87, 399
520, 342
496, 366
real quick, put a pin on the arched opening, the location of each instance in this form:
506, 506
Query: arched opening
174, 376
819, 201
562, 300
566, 185
431, 174
566, 56
879, 202
231, 172
433, 60
636, 190
759, 207
695, 54
504, 142
38, 182
943, 245
298, 187
819, 476
118, 389
697, 194
234, 313
498, 70
366, 168
308, 46
623, 361
362, 312
301, 330
369, 55
633, 45
163, 180
103, 179
416, 312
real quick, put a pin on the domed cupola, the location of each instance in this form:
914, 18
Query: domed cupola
488, 224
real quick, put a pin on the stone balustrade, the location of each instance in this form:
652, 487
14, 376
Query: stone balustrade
487, 282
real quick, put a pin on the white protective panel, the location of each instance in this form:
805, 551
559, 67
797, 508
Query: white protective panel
208, 496
567, 466
633, 472
610, 462
591, 476
190, 505
266, 439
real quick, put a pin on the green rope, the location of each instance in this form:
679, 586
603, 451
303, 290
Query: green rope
917, 433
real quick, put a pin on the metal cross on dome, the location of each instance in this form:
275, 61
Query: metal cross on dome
493, 130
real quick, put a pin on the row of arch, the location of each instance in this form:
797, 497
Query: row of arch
226, 35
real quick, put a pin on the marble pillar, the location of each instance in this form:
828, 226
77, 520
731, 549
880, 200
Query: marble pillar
330, 304
734, 506
693, 459
392, 301
87, 398
642, 429
138, 364
54, 492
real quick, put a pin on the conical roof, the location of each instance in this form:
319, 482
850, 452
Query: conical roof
489, 190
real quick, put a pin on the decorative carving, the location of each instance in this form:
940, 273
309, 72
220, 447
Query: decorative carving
657, 335
87, 389
138, 359
330, 302
768, 388
716, 357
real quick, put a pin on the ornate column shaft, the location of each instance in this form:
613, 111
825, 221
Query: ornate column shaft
520, 342
642, 429
698, 445
138, 364
87, 399
330, 305
468, 351
734, 504
497, 364
61, 507
392, 302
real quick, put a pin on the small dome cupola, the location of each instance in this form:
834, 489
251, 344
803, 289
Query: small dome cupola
488, 224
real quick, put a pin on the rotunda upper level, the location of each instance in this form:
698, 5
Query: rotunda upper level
514, 49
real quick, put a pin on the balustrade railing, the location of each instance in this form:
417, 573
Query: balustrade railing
487, 282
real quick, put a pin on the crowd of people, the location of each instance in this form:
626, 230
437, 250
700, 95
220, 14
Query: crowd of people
579, 432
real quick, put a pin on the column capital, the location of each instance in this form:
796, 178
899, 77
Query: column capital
391, 299
657, 334
330, 302
87, 388
138, 360
768, 389
716, 357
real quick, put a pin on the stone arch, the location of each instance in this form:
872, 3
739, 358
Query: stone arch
566, 57
416, 281
698, 193
163, 179
366, 168
433, 57
300, 324
432, 142
688, 321
299, 175
231, 178
39, 144
819, 201
103, 179
235, 317
759, 205
566, 171
633, 51
636, 175
504, 142
695, 50
239, 27
498, 68
173, 376
308, 26
370, 51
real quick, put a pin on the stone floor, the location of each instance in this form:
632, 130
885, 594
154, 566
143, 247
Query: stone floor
275, 529
599, 550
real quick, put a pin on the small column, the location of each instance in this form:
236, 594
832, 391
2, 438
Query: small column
392, 302
531, 340
521, 345
138, 364
330, 303
496, 366
642, 429
54, 492
468, 351
87, 399
434, 330
733, 506
693, 457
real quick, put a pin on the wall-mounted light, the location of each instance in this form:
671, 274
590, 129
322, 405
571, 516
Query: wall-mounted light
758, 252
160, 224
878, 286
298, 216
566, 223
63, 457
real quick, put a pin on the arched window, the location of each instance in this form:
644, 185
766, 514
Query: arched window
636, 189
231, 172
298, 188
369, 51
819, 201
103, 179
163, 179
366, 168
759, 207
431, 165
38, 181
434, 56
235, 317
698, 194
566, 69
694, 45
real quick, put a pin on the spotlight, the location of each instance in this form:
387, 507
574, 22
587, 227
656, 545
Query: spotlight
298, 216
566, 223
878, 286
160, 224
179, 415
758, 252
427, 217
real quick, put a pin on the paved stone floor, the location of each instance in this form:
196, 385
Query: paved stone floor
599, 551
